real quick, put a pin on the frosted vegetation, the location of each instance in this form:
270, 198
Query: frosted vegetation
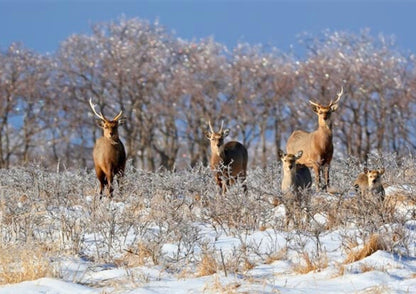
175, 222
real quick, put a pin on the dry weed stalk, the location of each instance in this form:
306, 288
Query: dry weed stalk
374, 243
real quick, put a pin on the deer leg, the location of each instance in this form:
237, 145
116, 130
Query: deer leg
242, 178
317, 171
101, 179
120, 175
109, 176
288, 210
218, 179
326, 172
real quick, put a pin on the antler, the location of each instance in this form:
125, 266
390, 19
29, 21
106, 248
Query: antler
314, 104
99, 115
210, 126
212, 130
332, 102
339, 97
117, 117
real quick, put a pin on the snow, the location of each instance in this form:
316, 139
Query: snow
386, 273
390, 275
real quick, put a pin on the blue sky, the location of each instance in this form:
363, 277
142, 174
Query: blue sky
42, 25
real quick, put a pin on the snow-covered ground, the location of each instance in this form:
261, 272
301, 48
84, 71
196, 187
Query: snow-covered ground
278, 260
380, 272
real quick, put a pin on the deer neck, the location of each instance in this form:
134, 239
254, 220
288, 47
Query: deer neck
216, 158
288, 181
113, 141
325, 125
215, 151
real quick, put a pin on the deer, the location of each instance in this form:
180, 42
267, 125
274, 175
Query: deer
369, 183
109, 154
228, 161
317, 146
296, 181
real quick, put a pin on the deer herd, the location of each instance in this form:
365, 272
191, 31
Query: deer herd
304, 151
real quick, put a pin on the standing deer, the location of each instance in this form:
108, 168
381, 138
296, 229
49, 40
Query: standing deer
109, 153
296, 181
317, 146
369, 183
228, 161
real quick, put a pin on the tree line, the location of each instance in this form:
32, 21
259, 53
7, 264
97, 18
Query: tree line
169, 89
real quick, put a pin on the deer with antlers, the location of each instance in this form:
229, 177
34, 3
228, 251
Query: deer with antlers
109, 153
228, 161
317, 145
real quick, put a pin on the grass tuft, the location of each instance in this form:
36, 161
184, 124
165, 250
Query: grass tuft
208, 266
311, 264
18, 264
374, 243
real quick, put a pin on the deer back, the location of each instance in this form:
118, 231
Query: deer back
235, 155
303, 177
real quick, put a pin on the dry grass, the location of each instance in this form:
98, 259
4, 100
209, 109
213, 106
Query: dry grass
135, 257
383, 289
279, 255
248, 265
311, 265
18, 264
366, 268
216, 286
208, 266
340, 272
374, 243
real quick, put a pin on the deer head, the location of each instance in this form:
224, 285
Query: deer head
216, 138
289, 160
373, 176
324, 112
110, 127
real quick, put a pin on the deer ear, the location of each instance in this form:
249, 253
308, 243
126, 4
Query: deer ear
314, 108
365, 170
334, 107
381, 171
299, 154
207, 134
280, 153
120, 121
100, 123
225, 133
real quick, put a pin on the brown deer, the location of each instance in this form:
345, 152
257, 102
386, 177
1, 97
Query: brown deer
296, 181
228, 161
317, 146
109, 153
369, 183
